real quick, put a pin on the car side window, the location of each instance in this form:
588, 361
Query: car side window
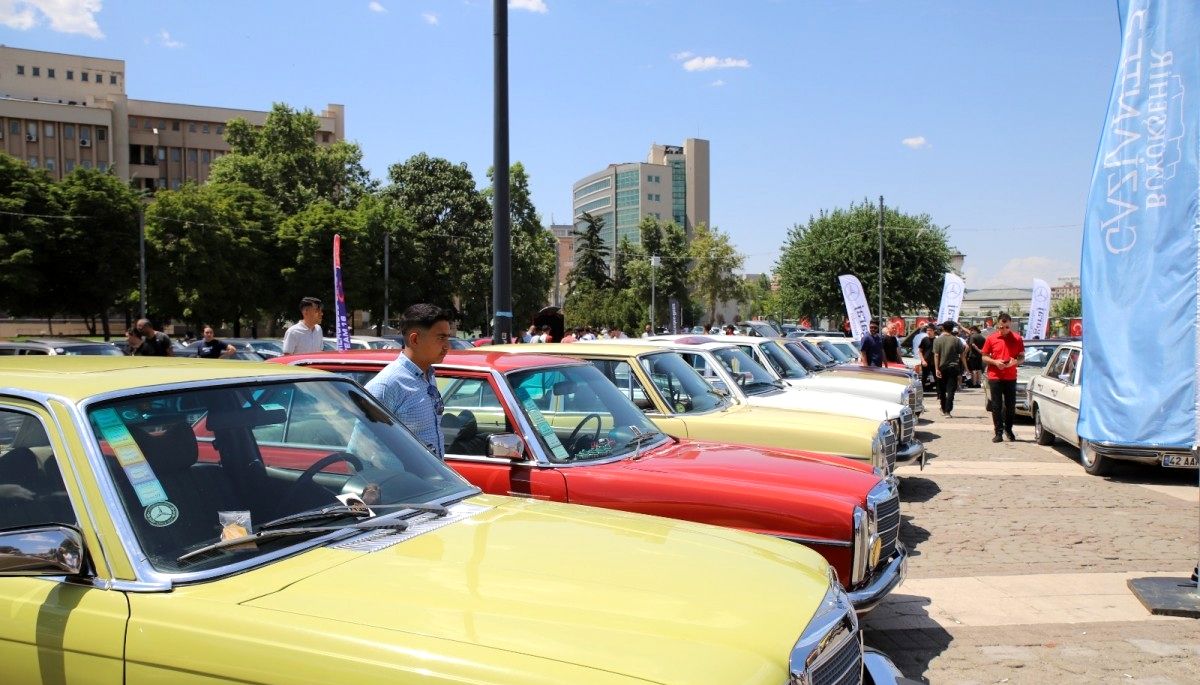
473, 414
622, 375
1070, 372
32, 492
1058, 364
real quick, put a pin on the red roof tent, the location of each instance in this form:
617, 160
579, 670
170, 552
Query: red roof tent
481, 358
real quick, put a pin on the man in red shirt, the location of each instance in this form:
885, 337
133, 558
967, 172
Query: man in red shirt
1003, 352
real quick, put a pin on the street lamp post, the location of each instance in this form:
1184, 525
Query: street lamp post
142, 259
655, 262
880, 312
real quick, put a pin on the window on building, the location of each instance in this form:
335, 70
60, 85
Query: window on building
146, 124
102, 166
175, 154
162, 182
112, 79
162, 154
37, 71
20, 70
49, 164
68, 131
325, 136
83, 76
101, 133
204, 128
176, 184
191, 154
48, 130
49, 73
85, 132
87, 164
33, 161
70, 74
162, 125
132, 122
191, 127
14, 126
206, 156
69, 166
220, 129
31, 129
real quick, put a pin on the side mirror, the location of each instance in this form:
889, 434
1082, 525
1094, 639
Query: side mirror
506, 446
41, 551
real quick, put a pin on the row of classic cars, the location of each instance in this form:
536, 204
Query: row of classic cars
218, 521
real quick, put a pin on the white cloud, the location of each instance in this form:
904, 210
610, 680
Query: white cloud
1019, 272
680, 56
915, 143
167, 41
718, 83
538, 6
709, 63
65, 16
376, 7
430, 18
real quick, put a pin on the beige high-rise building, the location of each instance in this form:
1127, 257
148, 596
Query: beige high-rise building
59, 111
671, 185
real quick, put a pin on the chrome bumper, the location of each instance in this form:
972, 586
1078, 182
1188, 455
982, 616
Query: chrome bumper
866, 598
910, 452
878, 669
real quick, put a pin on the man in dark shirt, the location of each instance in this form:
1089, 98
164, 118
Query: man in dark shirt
975, 355
925, 349
891, 346
211, 348
158, 344
871, 347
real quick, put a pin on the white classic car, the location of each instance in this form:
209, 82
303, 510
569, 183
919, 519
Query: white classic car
731, 368
1053, 399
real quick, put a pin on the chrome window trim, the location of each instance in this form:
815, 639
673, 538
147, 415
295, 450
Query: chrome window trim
150, 579
816, 541
658, 391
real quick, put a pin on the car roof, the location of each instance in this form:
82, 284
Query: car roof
79, 377
56, 342
591, 349
490, 357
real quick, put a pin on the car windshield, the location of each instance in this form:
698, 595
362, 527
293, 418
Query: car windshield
680, 385
102, 349
579, 415
1037, 355
802, 355
749, 374
841, 351
819, 351
198, 466
785, 364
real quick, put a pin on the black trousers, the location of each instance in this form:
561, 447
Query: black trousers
947, 385
1004, 404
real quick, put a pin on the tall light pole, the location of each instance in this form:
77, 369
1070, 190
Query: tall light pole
880, 312
141, 258
387, 242
501, 218
655, 262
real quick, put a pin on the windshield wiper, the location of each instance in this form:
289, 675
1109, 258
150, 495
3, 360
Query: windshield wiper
638, 437
263, 535
331, 511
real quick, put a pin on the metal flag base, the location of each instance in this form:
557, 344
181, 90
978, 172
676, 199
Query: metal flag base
1168, 596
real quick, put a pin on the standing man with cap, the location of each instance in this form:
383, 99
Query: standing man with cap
1003, 352
406, 386
306, 335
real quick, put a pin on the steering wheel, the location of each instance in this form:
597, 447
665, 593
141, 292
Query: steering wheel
305, 481
595, 437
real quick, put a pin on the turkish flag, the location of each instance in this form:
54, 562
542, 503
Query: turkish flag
898, 324
1076, 328
806, 322
922, 321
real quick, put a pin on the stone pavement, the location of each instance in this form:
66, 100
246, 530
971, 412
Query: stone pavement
1020, 558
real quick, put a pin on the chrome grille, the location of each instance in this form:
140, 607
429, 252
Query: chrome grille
887, 515
842, 664
908, 425
889, 452
912, 400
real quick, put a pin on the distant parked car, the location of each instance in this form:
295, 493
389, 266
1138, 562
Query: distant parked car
1037, 354
1053, 397
54, 346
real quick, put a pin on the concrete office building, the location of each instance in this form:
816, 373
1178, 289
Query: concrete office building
564, 260
59, 111
671, 185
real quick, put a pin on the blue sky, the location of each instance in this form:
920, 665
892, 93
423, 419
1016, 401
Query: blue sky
983, 114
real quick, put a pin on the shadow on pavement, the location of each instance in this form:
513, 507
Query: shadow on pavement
917, 489
912, 535
902, 629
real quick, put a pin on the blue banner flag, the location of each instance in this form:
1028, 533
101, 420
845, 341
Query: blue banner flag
1139, 270
339, 295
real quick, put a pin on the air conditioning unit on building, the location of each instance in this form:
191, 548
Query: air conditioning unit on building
30, 137
84, 142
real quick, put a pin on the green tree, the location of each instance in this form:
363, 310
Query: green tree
846, 241
591, 256
282, 159
759, 299
212, 254
713, 261
29, 208
103, 235
533, 248
451, 244
1067, 308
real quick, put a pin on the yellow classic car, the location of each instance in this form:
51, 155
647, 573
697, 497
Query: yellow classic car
172, 521
680, 402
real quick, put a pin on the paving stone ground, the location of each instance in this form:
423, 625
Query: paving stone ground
1019, 563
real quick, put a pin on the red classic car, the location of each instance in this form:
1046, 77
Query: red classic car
552, 427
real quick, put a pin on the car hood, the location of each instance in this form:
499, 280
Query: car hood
855, 385
811, 398
1026, 373
650, 598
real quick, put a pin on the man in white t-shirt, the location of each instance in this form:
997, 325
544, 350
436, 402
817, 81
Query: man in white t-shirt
305, 335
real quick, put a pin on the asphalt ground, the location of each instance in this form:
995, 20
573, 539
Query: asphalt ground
1019, 563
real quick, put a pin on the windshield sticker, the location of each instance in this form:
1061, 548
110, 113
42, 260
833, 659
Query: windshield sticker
145, 484
161, 514
542, 426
